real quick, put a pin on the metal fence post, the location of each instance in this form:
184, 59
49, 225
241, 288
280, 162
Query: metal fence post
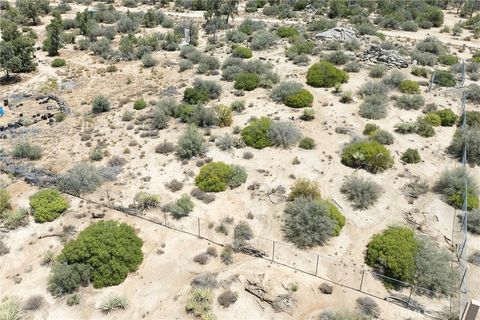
316, 268
273, 251
198, 226
165, 218
410, 296
361, 282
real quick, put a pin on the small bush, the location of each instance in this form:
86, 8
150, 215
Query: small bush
444, 79
409, 86
368, 155
287, 32
139, 104
311, 222
307, 143
185, 64
370, 128
420, 72
216, 176
433, 118
324, 74
451, 185
238, 105
283, 134
199, 303
393, 79
377, 71
352, 66
415, 188
73, 300
165, 148
473, 221
337, 58
382, 136
447, 117
65, 279
448, 59
246, 81
411, 156
373, 88
409, 102
11, 308
82, 178
374, 107
57, 63
308, 114
47, 205
227, 255
227, 298
470, 137
285, 89
202, 196
146, 201
114, 303
302, 99
100, 104
13, 219
205, 280
242, 233
256, 133
361, 192
149, 61
368, 306
190, 144
33, 303
262, 40
182, 207
224, 116
304, 188
242, 52
25, 150
224, 142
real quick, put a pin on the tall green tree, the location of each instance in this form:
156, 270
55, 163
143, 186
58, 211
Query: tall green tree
16, 50
54, 42
32, 9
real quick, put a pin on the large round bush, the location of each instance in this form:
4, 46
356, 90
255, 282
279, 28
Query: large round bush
109, 248
247, 81
392, 253
256, 133
368, 155
47, 205
217, 176
325, 75
301, 99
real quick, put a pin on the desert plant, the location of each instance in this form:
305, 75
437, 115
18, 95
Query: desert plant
377, 71
283, 134
415, 188
246, 81
451, 185
287, 32
369, 155
307, 143
242, 52
65, 279
433, 118
409, 86
301, 99
473, 93
216, 176
139, 104
113, 303
224, 115
424, 128
363, 193
5, 203
227, 298
352, 66
368, 306
33, 303
324, 74
255, 134
58, 62
47, 205
393, 79
165, 147
382, 136
473, 221
224, 142
11, 308
466, 137
337, 58
374, 107
311, 222
190, 144
25, 150
444, 79
82, 178
205, 280
304, 188
238, 105
145, 201
409, 102
227, 254
411, 156
448, 59
109, 249
285, 89
100, 104
447, 117
370, 128
182, 207
12, 219
262, 40
420, 72
373, 88
199, 303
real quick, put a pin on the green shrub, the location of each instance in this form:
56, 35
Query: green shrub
469, 136
337, 58
304, 188
145, 201
302, 99
373, 88
410, 101
182, 207
262, 40
393, 252
420, 72
411, 156
59, 116
324, 74
370, 128
447, 117
307, 143
241, 234
451, 185
444, 79
361, 192
47, 205
377, 71
65, 279
473, 93
149, 61
224, 115
283, 134
139, 104
109, 248
255, 134
246, 81
433, 118
57, 62
424, 128
393, 79
352, 66
199, 303
82, 178
190, 144
287, 32
100, 104
448, 59
368, 155
217, 176
113, 303
382, 136
308, 114
311, 222
285, 89
409, 86
242, 52
14, 219
25, 150
473, 221
195, 96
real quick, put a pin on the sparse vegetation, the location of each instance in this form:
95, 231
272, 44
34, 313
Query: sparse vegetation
47, 205
368, 155
363, 193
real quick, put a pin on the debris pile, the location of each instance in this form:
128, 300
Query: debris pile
391, 58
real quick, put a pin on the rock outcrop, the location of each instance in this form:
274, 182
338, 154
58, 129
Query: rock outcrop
338, 34
391, 58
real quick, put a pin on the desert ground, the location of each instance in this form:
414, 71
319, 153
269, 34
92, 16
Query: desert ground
159, 288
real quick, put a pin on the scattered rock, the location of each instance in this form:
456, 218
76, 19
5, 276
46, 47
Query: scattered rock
98, 215
326, 288
338, 34
391, 58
